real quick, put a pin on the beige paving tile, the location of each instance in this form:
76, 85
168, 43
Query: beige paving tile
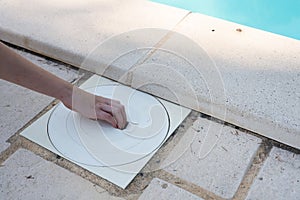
69, 30
159, 189
217, 165
249, 77
27, 176
18, 105
246, 77
279, 178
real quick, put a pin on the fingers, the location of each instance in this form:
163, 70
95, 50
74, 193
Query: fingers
118, 111
124, 115
97, 107
108, 118
119, 116
113, 112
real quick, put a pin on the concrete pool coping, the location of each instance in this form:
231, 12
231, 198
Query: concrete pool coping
259, 70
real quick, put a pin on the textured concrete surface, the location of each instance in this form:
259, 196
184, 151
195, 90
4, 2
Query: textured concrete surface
222, 169
69, 30
18, 105
159, 189
279, 178
27, 176
253, 75
192, 164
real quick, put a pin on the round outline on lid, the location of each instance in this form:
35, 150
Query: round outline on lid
116, 165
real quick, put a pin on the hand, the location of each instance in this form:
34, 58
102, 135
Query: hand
16, 69
97, 107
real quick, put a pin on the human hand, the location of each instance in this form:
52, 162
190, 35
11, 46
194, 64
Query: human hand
97, 107
16, 69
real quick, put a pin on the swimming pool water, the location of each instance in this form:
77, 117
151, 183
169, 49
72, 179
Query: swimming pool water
276, 16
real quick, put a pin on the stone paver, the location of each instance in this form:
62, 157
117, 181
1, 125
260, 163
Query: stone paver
27, 176
69, 31
279, 177
18, 105
253, 74
159, 189
217, 164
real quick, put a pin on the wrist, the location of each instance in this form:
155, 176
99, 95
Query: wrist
65, 95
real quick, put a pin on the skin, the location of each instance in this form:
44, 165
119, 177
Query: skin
16, 69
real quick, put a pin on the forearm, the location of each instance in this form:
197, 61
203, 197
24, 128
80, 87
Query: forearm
16, 69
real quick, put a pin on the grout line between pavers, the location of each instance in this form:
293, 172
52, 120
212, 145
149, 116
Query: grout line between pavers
163, 39
38, 54
133, 191
188, 186
168, 177
266, 140
256, 163
46, 154
135, 188
17, 141
14, 139
49, 156
152, 168
156, 46
4, 155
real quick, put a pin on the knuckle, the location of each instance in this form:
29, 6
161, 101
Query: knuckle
103, 115
98, 104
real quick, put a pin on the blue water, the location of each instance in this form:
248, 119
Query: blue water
276, 16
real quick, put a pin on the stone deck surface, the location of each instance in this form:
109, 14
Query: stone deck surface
247, 77
27, 176
223, 168
205, 159
279, 178
250, 74
19, 105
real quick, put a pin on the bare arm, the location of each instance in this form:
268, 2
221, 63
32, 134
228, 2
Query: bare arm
16, 69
